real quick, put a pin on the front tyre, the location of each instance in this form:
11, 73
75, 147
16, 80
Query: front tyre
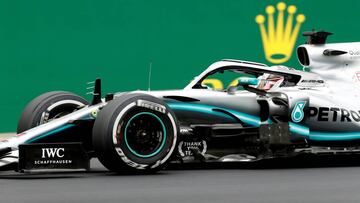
49, 106
135, 133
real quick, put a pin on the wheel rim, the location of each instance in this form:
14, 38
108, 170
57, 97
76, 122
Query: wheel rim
59, 109
145, 134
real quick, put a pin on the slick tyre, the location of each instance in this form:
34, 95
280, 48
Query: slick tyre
48, 106
135, 133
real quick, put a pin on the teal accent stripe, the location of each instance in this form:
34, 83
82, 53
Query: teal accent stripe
255, 121
67, 126
198, 108
330, 136
162, 143
299, 129
246, 118
323, 136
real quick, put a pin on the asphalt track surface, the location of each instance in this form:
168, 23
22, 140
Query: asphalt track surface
234, 183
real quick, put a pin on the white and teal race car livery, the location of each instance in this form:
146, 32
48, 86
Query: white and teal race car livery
263, 112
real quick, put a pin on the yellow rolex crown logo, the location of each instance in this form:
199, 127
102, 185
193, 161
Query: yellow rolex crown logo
279, 38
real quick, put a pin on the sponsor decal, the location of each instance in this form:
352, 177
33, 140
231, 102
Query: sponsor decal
354, 52
52, 156
297, 114
47, 162
52, 152
279, 30
280, 34
312, 83
357, 74
151, 105
356, 78
186, 148
334, 114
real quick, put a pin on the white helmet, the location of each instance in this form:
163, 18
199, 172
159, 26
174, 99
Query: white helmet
271, 81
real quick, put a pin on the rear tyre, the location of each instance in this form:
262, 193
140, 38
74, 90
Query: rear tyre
135, 133
47, 107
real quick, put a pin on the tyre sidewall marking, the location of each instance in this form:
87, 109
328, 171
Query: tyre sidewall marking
44, 115
120, 151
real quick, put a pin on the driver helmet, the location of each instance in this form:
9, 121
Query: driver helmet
268, 81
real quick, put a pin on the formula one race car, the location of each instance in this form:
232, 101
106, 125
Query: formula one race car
265, 112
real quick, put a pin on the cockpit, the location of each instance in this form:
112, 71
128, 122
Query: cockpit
222, 80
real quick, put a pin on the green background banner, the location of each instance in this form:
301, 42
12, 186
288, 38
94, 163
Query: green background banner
61, 45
